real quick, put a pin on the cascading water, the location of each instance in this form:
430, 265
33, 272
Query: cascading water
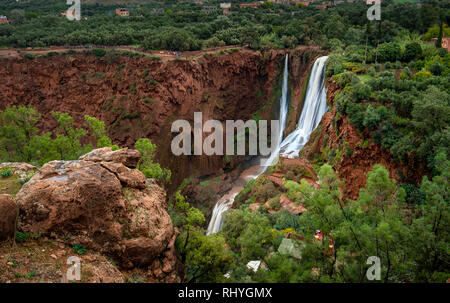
284, 106
314, 108
226, 201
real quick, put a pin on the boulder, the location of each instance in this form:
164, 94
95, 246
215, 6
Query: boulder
8, 215
128, 157
102, 205
22, 169
18, 167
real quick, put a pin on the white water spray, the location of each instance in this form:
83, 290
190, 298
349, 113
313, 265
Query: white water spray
314, 108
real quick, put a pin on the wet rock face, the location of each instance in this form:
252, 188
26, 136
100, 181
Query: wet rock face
101, 203
8, 215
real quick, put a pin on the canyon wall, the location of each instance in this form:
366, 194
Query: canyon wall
140, 97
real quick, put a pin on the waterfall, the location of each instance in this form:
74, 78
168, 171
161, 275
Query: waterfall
284, 106
226, 201
314, 108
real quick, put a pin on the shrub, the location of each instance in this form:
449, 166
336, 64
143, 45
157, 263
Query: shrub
387, 73
388, 65
356, 113
149, 100
274, 203
343, 79
377, 67
422, 75
361, 92
413, 51
371, 72
408, 72
385, 96
149, 168
21, 237
284, 219
99, 52
371, 118
414, 195
389, 52
418, 65
28, 56
334, 65
5, 172
442, 52
437, 68
79, 249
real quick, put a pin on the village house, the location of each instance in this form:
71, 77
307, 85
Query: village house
252, 5
303, 3
123, 12
226, 8
280, 1
209, 9
157, 11
445, 43
3, 19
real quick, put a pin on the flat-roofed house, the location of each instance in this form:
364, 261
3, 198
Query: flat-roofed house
157, 11
3, 19
209, 9
252, 4
123, 12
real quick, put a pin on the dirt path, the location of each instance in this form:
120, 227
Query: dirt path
163, 54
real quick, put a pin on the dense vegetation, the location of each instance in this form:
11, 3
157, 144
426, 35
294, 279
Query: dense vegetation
393, 87
21, 140
183, 26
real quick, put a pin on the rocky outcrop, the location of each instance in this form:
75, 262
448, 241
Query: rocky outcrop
100, 203
128, 157
19, 167
8, 215
22, 169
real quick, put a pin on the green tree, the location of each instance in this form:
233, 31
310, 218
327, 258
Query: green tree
413, 51
432, 111
389, 52
431, 230
206, 258
67, 142
97, 129
18, 125
150, 168
247, 233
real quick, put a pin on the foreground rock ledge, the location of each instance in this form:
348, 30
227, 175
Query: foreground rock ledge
8, 215
99, 202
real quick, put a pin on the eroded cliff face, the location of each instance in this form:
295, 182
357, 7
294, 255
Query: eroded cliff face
351, 153
140, 97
